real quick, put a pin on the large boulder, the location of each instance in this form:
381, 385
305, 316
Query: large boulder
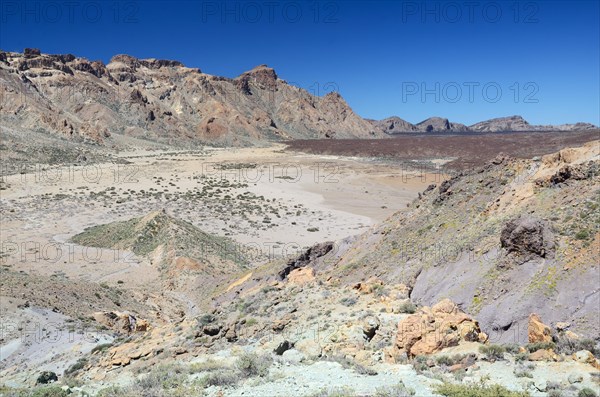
537, 331
433, 329
527, 237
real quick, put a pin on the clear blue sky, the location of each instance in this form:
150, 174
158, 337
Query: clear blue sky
379, 54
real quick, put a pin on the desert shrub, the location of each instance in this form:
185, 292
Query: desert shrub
363, 370
524, 370
206, 319
209, 365
587, 392
112, 391
379, 290
350, 364
569, 346
523, 373
49, 391
533, 347
252, 364
492, 352
407, 307
444, 360
334, 392
221, 378
459, 390
348, 301
77, 366
583, 234
398, 390
72, 381
512, 348
102, 347
420, 364
520, 357
163, 377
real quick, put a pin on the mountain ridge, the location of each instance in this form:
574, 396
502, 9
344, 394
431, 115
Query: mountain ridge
165, 101
395, 125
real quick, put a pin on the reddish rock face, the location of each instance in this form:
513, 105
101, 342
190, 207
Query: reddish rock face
179, 103
537, 331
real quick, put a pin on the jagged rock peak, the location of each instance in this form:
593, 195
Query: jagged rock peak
150, 63
126, 59
263, 75
262, 71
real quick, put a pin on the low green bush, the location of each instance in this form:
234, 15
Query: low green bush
459, 390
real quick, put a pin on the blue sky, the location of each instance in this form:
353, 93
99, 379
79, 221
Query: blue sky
464, 60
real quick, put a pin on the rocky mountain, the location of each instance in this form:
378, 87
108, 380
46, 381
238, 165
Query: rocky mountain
438, 124
164, 101
394, 125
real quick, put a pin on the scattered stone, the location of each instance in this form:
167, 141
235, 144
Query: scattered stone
586, 357
575, 378
292, 356
231, 334
211, 329
561, 326
283, 347
540, 384
370, 326
121, 322
543, 355
309, 347
368, 286
571, 335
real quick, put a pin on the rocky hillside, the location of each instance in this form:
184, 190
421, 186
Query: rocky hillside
502, 241
191, 262
164, 101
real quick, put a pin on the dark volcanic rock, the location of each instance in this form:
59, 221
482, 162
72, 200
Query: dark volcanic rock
308, 257
31, 52
565, 173
46, 377
527, 236
283, 347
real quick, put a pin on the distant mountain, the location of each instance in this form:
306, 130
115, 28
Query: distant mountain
518, 123
396, 125
162, 100
438, 124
